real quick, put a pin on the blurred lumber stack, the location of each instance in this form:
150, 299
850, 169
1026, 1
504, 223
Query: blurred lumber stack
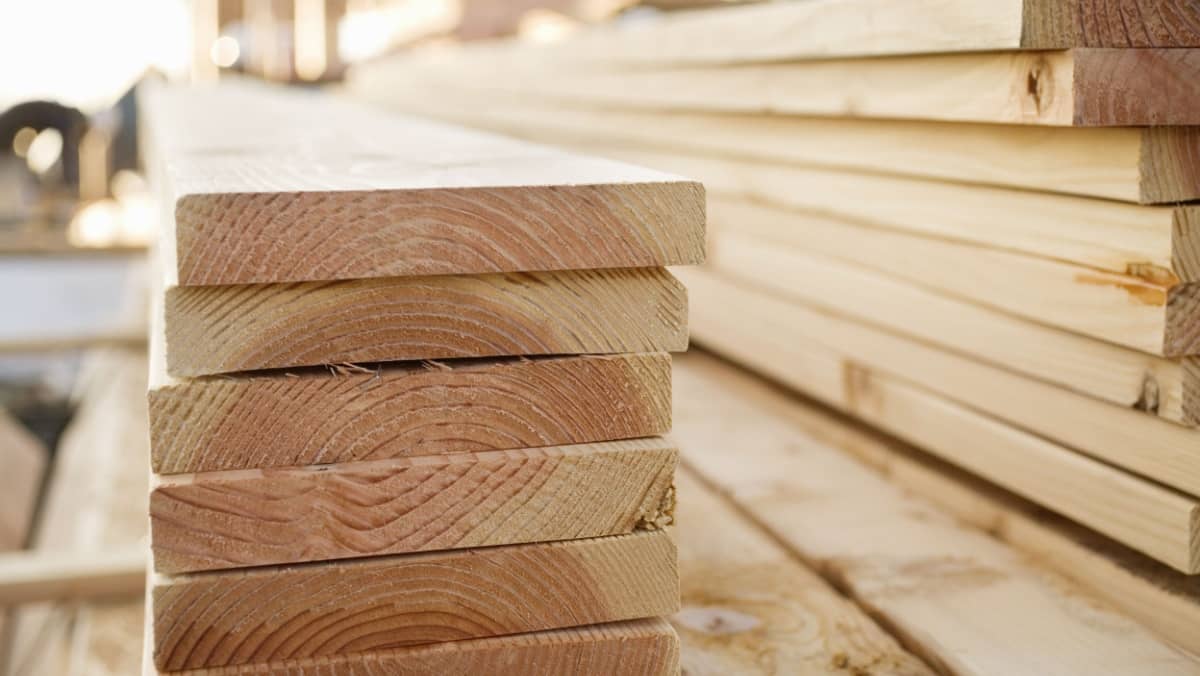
969, 224
94, 504
407, 384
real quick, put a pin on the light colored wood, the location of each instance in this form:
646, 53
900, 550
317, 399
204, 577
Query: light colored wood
1150, 242
1160, 522
30, 577
340, 414
24, 460
1147, 242
1147, 165
955, 596
777, 31
1191, 390
811, 258
1122, 309
241, 518
1163, 600
318, 610
751, 608
95, 501
223, 329
842, 363
266, 185
1078, 87
648, 647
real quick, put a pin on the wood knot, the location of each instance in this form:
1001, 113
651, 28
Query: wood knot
716, 621
1039, 86
1148, 399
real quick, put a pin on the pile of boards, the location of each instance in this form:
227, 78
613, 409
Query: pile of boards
407, 389
966, 223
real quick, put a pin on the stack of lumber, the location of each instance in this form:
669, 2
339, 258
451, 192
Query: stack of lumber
407, 389
965, 223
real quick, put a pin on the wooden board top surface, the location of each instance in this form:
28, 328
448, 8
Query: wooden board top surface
751, 607
961, 599
267, 185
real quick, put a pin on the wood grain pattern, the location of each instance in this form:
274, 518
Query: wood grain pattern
749, 607
882, 283
1171, 164
1121, 308
815, 30
1162, 600
1120, 238
642, 647
1110, 23
1181, 336
1137, 86
956, 596
223, 329
219, 520
319, 610
1145, 515
1185, 243
1146, 165
1078, 87
317, 416
267, 185
814, 350
1191, 390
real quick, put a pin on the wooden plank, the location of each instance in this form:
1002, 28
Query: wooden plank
1163, 600
1147, 165
1123, 309
953, 595
750, 607
266, 185
873, 277
1078, 87
333, 415
222, 329
878, 376
317, 610
1145, 314
1154, 243
29, 577
218, 520
647, 647
789, 31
